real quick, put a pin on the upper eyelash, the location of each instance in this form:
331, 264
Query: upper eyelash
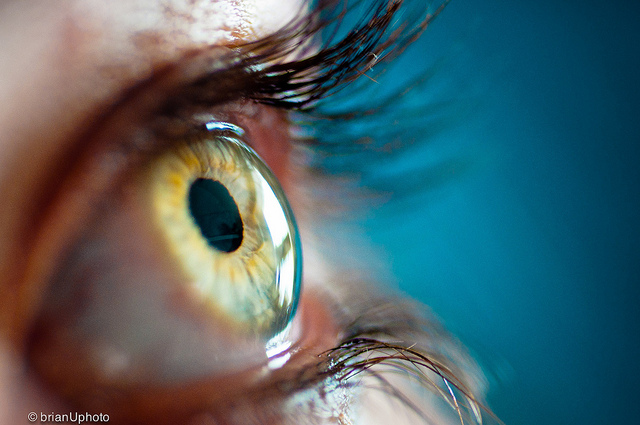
262, 72
299, 85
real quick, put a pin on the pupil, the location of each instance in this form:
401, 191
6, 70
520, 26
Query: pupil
216, 214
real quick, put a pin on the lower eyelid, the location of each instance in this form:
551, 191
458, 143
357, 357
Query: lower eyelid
256, 388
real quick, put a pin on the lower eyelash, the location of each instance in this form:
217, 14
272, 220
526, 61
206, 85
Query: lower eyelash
360, 356
397, 361
389, 337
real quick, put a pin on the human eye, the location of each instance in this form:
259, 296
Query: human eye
133, 301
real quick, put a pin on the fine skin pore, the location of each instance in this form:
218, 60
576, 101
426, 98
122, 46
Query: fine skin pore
62, 65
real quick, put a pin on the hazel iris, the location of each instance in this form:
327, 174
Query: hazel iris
228, 228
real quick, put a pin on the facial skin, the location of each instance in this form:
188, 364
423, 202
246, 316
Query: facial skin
64, 67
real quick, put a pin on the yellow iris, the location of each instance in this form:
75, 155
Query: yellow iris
254, 282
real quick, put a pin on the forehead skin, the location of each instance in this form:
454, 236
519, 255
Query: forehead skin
61, 64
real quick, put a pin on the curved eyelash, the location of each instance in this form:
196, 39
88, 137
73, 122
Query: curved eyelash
361, 355
375, 351
265, 71
376, 38
377, 358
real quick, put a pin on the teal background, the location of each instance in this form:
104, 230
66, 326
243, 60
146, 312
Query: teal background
530, 253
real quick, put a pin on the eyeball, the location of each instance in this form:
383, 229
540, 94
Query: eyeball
225, 218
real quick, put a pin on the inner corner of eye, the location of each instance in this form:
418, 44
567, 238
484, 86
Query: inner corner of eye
216, 214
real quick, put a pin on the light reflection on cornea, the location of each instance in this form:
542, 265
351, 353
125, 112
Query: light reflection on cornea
279, 343
277, 222
224, 126
278, 362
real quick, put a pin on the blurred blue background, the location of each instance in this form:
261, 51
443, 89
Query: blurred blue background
531, 254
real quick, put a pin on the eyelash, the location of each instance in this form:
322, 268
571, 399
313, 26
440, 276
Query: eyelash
261, 72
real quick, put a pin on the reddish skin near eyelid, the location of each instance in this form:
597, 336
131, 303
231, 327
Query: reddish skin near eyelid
269, 137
